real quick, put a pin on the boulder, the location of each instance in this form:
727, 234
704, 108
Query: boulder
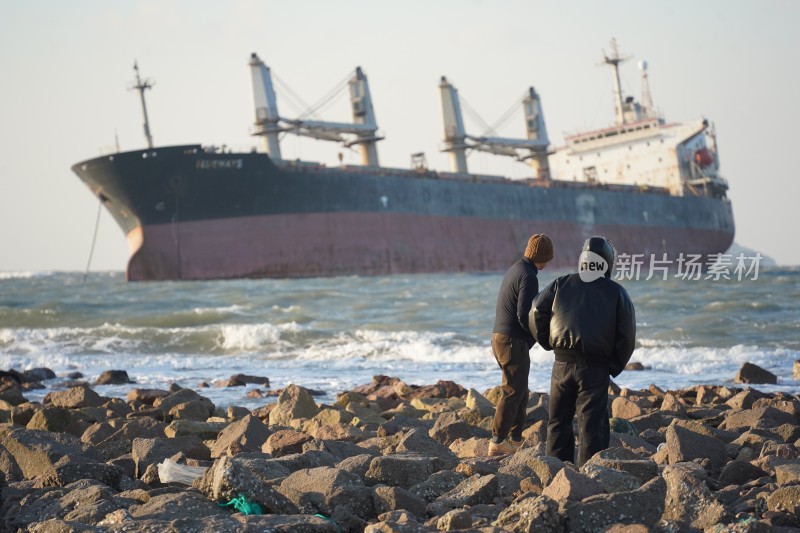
785, 499
55, 419
757, 417
69, 469
38, 374
611, 480
739, 472
323, 489
178, 397
176, 506
145, 396
194, 428
686, 445
146, 452
296, 523
418, 441
544, 466
293, 402
750, 373
787, 474
449, 427
478, 402
34, 451
472, 491
643, 469
672, 404
625, 408
396, 498
531, 513
399, 470
75, 398
229, 477
245, 435
689, 499
87, 501
796, 369
569, 484
436, 485
191, 410
644, 505
285, 442
338, 449
454, 520
113, 377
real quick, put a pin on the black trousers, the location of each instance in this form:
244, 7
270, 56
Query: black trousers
513, 356
576, 388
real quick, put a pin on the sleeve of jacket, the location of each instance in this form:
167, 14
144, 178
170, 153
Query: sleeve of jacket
528, 289
541, 312
625, 338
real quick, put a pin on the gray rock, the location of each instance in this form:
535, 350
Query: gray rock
474, 490
166, 403
34, 451
417, 441
82, 500
56, 525
643, 469
545, 467
309, 459
569, 484
177, 505
146, 452
455, 519
189, 428
750, 373
357, 464
293, 402
286, 524
688, 497
399, 470
787, 474
739, 472
785, 499
324, 489
532, 513
38, 374
54, 419
449, 427
644, 505
397, 498
229, 477
70, 469
339, 449
611, 480
685, 445
246, 435
436, 485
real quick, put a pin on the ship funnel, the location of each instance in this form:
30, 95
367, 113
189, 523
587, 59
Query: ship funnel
454, 133
266, 107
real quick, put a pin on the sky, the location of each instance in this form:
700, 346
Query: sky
66, 67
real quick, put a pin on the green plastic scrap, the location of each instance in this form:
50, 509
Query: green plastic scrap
329, 520
243, 504
620, 425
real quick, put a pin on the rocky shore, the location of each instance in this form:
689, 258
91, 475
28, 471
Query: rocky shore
389, 457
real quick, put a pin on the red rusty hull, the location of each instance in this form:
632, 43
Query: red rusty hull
375, 243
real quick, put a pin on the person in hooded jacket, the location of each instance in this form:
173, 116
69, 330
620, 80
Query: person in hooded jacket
588, 321
512, 342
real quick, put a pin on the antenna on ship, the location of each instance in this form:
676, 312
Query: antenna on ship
647, 100
142, 85
614, 60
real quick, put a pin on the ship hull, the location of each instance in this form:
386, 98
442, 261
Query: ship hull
192, 215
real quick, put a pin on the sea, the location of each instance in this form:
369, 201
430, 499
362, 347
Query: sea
331, 334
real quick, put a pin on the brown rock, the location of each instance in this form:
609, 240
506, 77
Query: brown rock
34, 451
396, 498
474, 490
787, 474
399, 470
294, 402
625, 408
183, 396
55, 419
188, 428
530, 512
74, 398
571, 485
146, 452
644, 505
634, 366
285, 442
761, 417
246, 435
689, 499
786, 499
454, 520
796, 369
113, 377
191, 410
323, 489
672, 404
750, 373
739, 472
686, 445
146, 396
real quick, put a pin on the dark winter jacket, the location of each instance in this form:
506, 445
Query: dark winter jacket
592, 322
517, 291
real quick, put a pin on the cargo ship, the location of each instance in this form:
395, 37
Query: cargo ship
195, 212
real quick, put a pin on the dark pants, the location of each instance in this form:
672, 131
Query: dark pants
576, 388
513, 356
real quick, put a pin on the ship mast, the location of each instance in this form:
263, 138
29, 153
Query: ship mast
614, 60
647, 99
142, 85
455, 135
266, 104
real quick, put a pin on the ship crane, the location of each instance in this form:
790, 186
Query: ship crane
458, 141
362, 132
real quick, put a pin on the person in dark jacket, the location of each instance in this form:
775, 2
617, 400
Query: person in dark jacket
588, 321
512, 341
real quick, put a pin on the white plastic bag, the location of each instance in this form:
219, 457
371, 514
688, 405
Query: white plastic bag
169, 471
